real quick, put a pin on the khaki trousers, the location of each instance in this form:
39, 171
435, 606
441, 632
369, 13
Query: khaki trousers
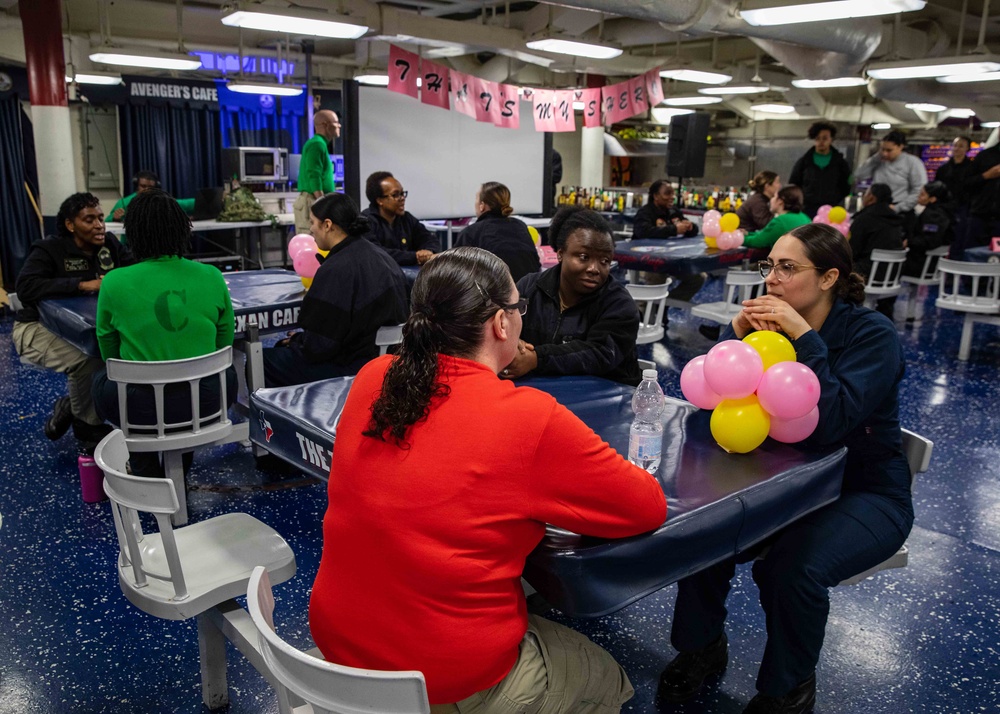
301, 211
558, 671
38, 345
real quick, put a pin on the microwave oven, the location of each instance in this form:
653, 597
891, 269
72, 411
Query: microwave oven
255, 164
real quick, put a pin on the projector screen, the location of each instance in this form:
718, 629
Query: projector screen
443, 157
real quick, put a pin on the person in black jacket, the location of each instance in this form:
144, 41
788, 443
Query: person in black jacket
954, 173
934, 227
69, 264
822, 172
876, 226
357, 289
394, 228
579, 321
495, 231
983, 186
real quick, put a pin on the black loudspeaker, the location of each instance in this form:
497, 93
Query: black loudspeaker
686, 145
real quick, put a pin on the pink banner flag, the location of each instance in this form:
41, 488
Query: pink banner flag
487, 100
545, 116
404, 68
617, 102
637, 85
591, 99
510, 107
654, 87
562, 106
435, 85
461, 93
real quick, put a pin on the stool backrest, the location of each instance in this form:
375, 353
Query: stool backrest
969, 285
15, 302
743, 285
387, 336
886, 270
930, 267
651, 300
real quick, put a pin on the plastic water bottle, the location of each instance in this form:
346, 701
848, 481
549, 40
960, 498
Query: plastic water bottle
646, 434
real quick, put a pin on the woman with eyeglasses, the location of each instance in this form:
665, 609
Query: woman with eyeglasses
445, 479
815, 298
392, 227
495, 231
786, 205
579, 320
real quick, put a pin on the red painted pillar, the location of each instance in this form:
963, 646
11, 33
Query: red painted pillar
41, 24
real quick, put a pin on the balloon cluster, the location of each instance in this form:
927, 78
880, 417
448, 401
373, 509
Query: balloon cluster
302, 250
835, 216
756, 388
721, 231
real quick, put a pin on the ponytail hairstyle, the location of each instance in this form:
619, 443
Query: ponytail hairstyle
938, 190
791, 198
496, 196
341, 210
827, 248
453, 296
569, 219
762, 180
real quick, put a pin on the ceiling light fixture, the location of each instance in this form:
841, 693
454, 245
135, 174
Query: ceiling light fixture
770, 108
696, 75
963, 113
970, 65
94, 77
827, 83
150, 59
663, 115
573, 47
373, 80
963, 78
691, 101
990, 124
253, 86
297, 22
781, 12
926, 107
882, 125
735, 89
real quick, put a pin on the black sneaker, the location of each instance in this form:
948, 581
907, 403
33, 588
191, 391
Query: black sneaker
89, 435
60, 420
800, 700
684, 676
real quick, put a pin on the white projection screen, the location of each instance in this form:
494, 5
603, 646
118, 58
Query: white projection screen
442, 157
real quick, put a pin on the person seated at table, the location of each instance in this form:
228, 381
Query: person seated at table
427, 532
755, 213
579, 320
814, 298
69, 264
786, 205
357, 289
165, 307
659, 218
934, 227
143, 181
876, 226
394, 228
495, 231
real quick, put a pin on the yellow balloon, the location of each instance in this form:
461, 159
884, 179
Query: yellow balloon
837, 214
740, 425
729, 222
307, 282
534, 235
710, 242
773, 347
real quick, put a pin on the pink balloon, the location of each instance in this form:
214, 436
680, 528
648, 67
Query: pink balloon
299, 243
740, 236
824, 210
844, 227
306, 264
712, 230
790, 431
788, 390
727, 240
712, 215
694, 387
733, 369
821, 219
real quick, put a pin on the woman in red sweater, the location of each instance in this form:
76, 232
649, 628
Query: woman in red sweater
444, 479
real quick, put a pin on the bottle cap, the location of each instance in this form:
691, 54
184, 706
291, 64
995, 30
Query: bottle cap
649, 374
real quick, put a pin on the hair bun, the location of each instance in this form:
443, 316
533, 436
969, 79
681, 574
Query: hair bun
359, 226
506, 211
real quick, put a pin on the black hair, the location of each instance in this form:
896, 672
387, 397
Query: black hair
71, 208
156, 225
966, 139
654, 188
373, 186
148, 175
341, 210
938, 190
881, 192
895, 137
819, 126
569, 219
827, 248
453, 296
762, 180
791, 198
496, 196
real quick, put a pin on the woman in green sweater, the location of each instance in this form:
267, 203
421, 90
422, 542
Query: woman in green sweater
787, 209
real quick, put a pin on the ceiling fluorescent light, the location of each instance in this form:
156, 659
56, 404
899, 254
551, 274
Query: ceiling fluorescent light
769, 12
296, 22
691, 101
969, 65
963, 113
662, 115
374, 80
926, 107
95, 78
826, 83
251, 86
150, 59
572, 47
773, 108
696, 75
879, 126
990, 124
735, 89
962, 78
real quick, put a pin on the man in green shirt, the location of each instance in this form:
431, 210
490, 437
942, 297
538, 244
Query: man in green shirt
143, 181
315, 168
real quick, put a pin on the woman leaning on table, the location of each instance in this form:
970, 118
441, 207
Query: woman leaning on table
815, 299
446, 477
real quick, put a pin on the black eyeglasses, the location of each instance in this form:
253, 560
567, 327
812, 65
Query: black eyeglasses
398, 195
521, 306
782, 271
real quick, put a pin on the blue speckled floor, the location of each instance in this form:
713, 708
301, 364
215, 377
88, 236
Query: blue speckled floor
921, 639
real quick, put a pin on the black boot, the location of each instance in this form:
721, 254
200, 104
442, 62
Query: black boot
800, 700
89, 435
60, 420
684, 676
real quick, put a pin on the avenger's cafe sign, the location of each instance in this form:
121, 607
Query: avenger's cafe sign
162, 90
155, 90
